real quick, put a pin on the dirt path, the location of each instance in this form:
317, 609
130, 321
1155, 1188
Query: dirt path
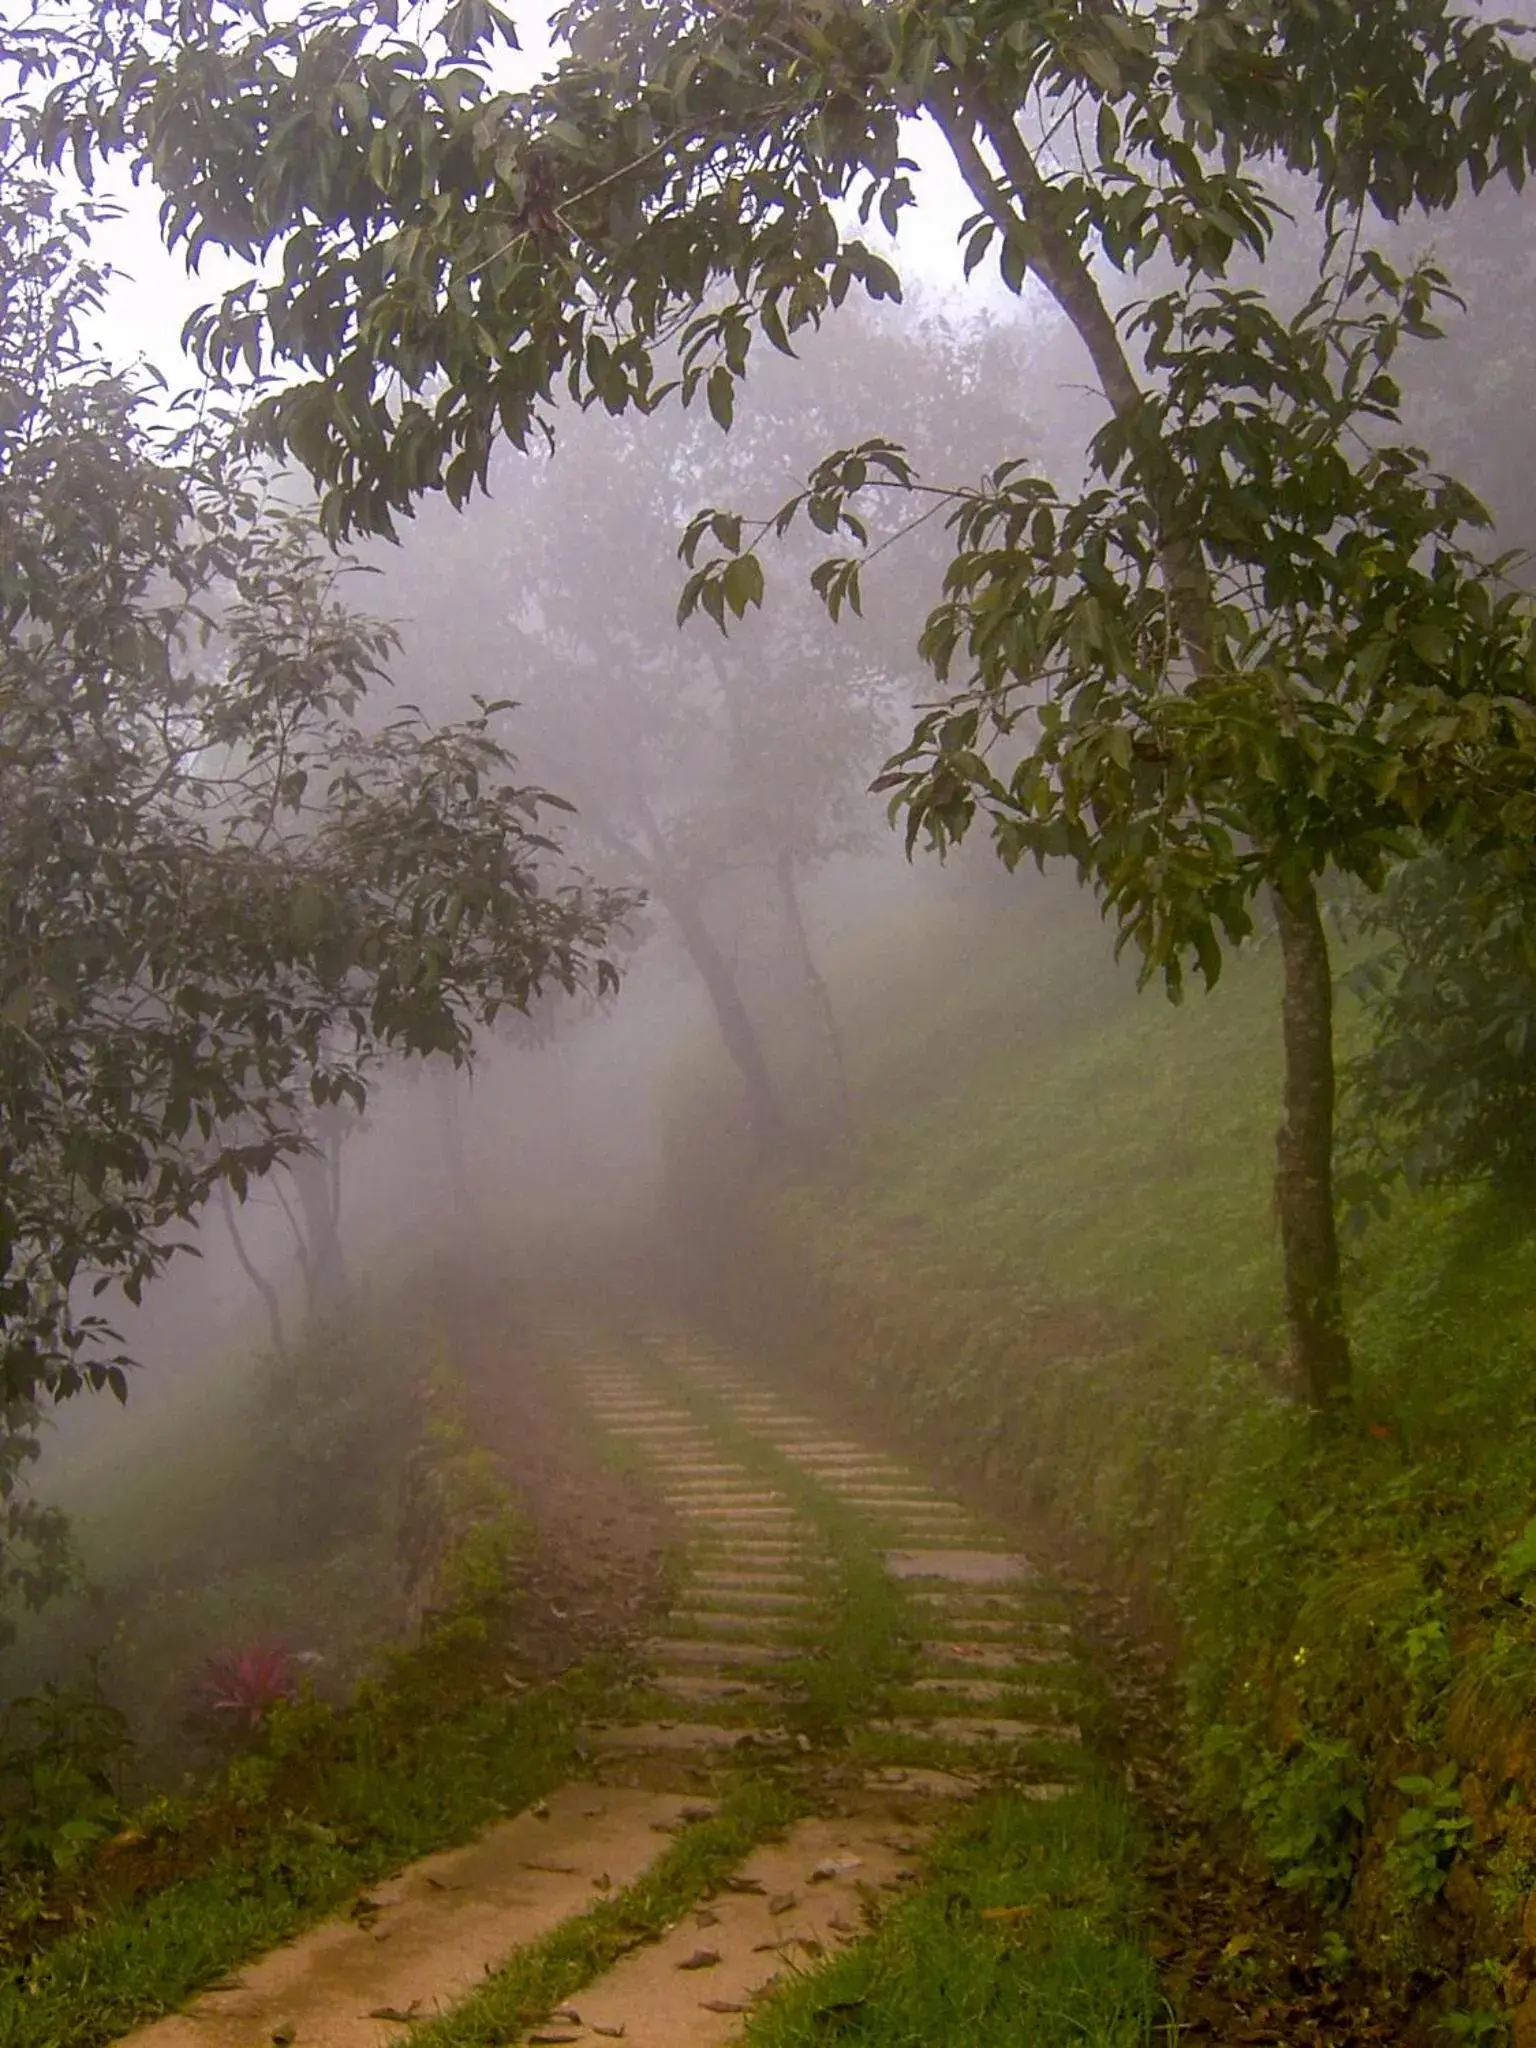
841, 1632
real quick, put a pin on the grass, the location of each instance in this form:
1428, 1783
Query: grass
1050, 1258
332, 1799
370, 1810
1025, 1935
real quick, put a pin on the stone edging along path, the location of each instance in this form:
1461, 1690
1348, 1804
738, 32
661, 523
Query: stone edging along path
840, 1628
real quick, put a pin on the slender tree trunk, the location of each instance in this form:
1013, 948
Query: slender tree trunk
815, 982
258, 1279
317, 1182
737, 1029
1304, 1153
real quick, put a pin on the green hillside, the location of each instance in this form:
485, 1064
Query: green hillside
1050, 1249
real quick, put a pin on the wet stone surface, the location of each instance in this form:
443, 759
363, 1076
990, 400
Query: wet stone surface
717, 1697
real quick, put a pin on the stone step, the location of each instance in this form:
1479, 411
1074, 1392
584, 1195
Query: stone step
684, 1652
983, 1730
960, 1567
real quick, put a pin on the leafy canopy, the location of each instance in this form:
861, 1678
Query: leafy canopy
447, 257
229, 886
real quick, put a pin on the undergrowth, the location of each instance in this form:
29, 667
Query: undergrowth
1050, 1257
327, 1798
1024, 1935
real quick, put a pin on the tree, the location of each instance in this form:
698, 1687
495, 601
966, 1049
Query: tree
1255, 649
223, 898
1446, 1089
717, 777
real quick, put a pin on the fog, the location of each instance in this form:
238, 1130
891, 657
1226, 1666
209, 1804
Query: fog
699, 764
725, 778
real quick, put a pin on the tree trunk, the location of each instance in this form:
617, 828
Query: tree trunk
815, 982
737, 1030
317, 1181
1059, 264
1304, 1153
258, 1279
1304, 1146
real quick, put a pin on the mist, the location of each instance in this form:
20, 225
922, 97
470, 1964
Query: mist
767, 1089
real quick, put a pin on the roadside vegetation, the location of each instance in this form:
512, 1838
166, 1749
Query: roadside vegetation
118, 1906
1049, 1258
264, 1503
1029, 1928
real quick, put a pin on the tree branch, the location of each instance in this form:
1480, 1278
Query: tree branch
1059, 265
257, 1278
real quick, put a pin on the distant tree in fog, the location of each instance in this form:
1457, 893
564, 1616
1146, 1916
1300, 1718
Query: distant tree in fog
1255, 651
719, 776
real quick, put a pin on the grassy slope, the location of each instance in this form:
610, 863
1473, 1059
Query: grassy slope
1052, 1247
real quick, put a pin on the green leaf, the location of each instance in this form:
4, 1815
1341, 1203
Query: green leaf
1432, 645
742, 582
722, 396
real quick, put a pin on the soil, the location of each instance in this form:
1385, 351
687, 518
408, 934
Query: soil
603, 1546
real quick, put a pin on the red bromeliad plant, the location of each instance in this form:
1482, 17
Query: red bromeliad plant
243, 1686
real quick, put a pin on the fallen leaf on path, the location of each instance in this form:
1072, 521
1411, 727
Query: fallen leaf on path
701, 1959
552, 1869
704, 1918
835, 1866
602, 1882
400, 2014
752, 1885
540, 1809
723, 2005
784, 1902
609, 2033
552, 2040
